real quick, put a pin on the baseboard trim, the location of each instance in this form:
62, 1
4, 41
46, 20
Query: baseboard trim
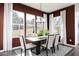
1, 50
68, 45
11, 49
16, 47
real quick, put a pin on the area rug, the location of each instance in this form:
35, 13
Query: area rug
63, 50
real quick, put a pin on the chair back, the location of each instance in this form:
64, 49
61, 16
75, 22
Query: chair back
22, 42
57, 39
50, 41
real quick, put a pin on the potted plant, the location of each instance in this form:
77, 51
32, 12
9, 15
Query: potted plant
40, 33
45, 32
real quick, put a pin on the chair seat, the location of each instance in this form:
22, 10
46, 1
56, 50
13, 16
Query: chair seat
30, 45
44, 45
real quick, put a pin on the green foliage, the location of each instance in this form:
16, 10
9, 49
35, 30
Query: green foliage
46, 33
42, 33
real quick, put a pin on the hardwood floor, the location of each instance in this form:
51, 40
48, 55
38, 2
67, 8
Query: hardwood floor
63, 50
74, 52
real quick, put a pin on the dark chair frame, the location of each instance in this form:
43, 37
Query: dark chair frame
24, 43
47, 41
54, 42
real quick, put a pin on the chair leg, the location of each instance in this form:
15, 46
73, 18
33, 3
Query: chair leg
21, 52
31, 50
46, 52
43, 48
25, 52
52, 50
57, 47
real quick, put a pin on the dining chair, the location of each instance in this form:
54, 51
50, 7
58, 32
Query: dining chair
56, 44
26, 47
49, 43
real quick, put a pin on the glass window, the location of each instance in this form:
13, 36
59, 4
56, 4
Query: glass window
40, 24
17, 23
30, 24
56, 24
34, 25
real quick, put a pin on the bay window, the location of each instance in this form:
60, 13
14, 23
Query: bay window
34, 24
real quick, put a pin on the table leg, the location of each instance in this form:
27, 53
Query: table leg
38, 48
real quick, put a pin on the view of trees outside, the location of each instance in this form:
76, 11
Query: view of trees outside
34, 25
30, 24
58, 25
57, 22
40, 24
17, 23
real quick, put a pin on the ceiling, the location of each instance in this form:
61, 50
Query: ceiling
48, 7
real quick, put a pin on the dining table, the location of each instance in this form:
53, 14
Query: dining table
37, 40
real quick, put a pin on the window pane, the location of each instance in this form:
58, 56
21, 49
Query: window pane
30, 24
18, 23
40, 24
15, 27
21, 27
56, 24
59, 26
